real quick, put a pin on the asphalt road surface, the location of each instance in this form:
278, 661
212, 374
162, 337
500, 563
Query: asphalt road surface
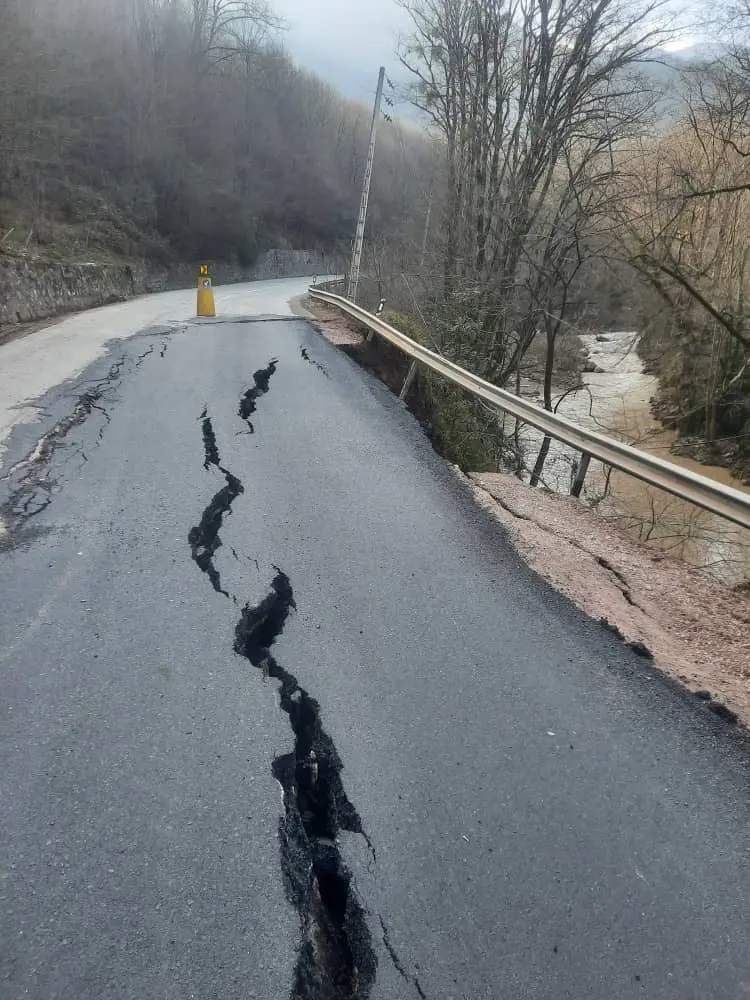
284, 715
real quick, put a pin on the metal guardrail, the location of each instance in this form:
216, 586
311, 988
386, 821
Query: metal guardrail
700, 490
324, 283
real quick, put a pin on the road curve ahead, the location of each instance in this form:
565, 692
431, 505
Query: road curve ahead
284, 715
31, 365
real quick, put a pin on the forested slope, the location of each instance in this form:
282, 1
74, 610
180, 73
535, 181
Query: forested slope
173, 129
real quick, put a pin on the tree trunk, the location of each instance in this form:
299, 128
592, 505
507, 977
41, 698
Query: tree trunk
549, 364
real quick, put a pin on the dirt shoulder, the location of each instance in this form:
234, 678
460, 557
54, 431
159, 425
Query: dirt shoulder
696, 628
333, 324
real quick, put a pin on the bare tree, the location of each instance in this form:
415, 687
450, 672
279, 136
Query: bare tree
686, 204
685, 211
530, 97
219, 25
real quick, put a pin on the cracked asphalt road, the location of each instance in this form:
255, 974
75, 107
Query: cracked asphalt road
497, 798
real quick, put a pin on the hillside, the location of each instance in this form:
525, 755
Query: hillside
166, 131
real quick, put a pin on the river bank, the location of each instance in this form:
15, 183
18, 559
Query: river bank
615, 398
679, 403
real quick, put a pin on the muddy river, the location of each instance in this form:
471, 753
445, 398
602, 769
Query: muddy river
616, 401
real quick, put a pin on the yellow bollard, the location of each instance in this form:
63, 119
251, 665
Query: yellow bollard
206, 304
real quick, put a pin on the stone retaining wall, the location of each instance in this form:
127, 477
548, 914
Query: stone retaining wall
32, 289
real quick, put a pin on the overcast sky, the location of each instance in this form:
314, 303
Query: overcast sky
345, 41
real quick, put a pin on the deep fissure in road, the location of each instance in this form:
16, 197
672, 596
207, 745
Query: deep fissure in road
336, 960
210, 447
262, 379
204, 538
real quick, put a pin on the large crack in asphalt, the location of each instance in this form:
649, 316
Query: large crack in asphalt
204, 538
210, 447
336, 960
34, 485
248, 401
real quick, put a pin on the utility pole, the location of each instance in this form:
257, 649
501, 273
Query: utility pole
426, 233
359, 239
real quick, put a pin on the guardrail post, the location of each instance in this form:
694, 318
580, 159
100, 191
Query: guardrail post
410, 376
583, 468
378, 312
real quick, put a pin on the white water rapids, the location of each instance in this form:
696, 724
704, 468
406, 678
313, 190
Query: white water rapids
615, 401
